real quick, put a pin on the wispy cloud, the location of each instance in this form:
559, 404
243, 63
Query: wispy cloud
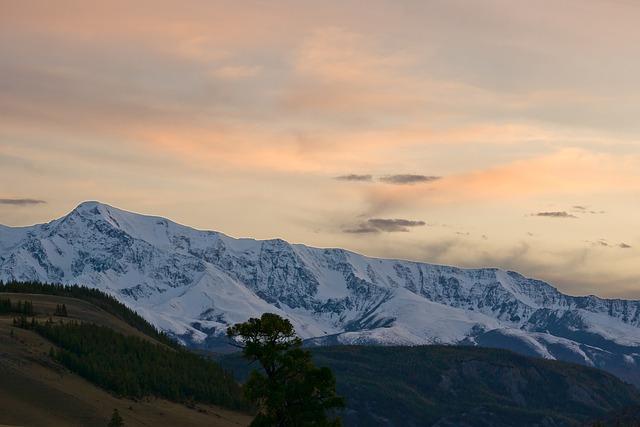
586, 210
397, 179
604, 243
377, 225
21, 202
407, 179
559, 214
355, 177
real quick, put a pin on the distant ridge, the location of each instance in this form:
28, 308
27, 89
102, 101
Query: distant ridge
463, 386
193, 284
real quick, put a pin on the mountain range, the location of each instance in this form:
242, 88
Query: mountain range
193, 284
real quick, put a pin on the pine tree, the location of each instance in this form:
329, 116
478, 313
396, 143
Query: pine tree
116, 420
292, 391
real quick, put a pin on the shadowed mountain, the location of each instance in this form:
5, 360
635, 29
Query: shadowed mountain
463, 386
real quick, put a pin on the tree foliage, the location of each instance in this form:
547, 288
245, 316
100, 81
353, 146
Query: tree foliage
133, 367
116, 420
20, 307
61, 310
289, 389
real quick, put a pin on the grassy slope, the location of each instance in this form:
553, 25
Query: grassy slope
36, 391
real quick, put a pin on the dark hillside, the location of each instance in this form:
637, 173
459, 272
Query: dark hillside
464, 386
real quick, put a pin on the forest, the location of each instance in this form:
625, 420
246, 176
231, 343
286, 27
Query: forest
128, 366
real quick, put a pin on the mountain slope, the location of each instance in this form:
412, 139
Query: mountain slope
194, 284
462, 386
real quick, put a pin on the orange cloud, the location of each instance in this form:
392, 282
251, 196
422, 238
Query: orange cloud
236, 72
339, 69
569, 171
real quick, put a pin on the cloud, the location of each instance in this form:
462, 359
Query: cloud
355, 177
238, 72
562, 214
585, 209
407, 179
21, 202
400, 179
606, 244
377, 225
336, 69
571, 170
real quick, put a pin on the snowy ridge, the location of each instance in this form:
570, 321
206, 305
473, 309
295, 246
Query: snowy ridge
194, 284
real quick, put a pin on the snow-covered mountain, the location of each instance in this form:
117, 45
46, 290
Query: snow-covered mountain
194, 284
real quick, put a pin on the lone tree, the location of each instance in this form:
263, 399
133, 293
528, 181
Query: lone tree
116, 420
290, 390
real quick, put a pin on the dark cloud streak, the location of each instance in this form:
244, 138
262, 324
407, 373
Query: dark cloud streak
561, 214
378, 225
407, 179
21, 202
354, 177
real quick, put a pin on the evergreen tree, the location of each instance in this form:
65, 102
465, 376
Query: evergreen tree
116, 420
292, 391
61, 310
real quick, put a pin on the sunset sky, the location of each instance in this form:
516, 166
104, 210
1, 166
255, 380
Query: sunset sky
488, 133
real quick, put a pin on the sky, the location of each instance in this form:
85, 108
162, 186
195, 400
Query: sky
476, 133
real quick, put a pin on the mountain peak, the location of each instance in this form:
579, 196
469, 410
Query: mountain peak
194, 284
90, 205
95, 208
92, 211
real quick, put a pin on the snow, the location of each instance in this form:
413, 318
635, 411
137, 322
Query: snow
332, 285
507, 283
11, 236
157, 271
611, 328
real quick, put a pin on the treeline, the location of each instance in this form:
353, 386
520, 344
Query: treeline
96, 297
7, 307
133, 367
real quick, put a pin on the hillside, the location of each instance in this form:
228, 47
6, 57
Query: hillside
463, 386
194, 284
38, 391
384, 386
